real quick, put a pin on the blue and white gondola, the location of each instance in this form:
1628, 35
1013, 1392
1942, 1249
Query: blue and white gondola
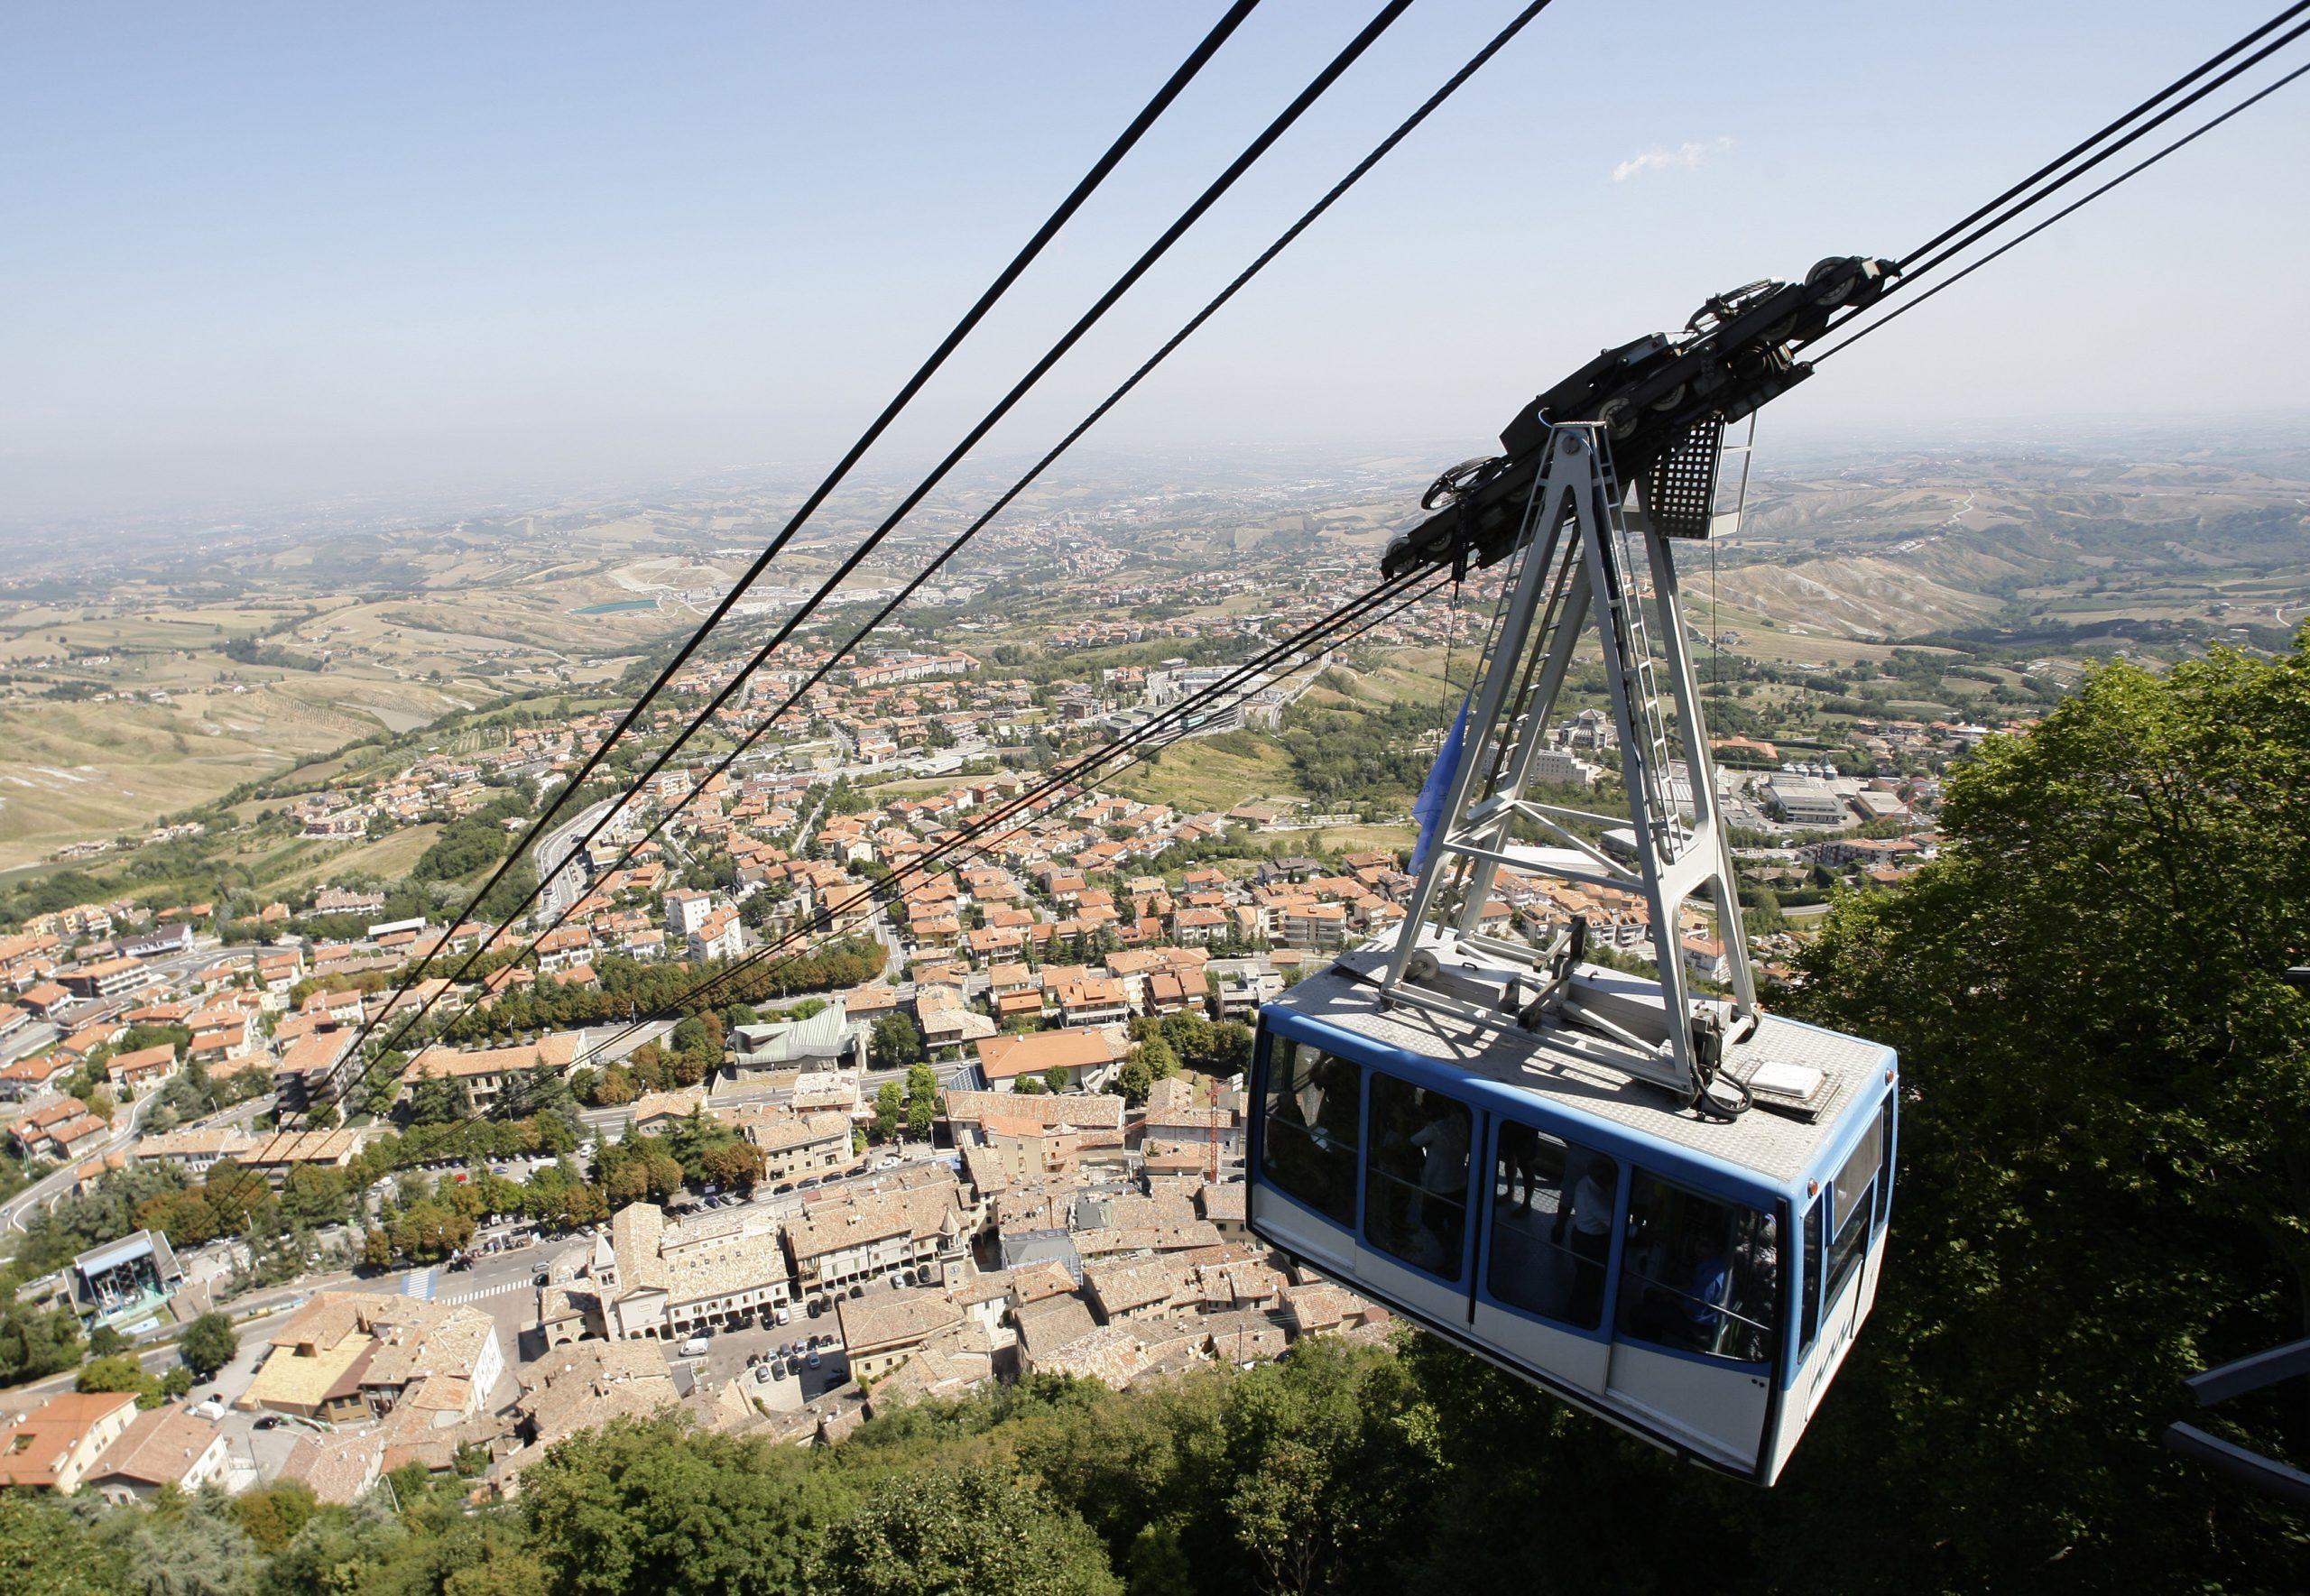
1696, 1282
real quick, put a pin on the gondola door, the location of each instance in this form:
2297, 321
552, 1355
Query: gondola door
1417, 1234
1695, 1348
1550, 1214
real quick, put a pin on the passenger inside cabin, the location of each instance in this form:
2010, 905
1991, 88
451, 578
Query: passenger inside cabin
1336, 1085
1416, 1194
1519, 1155
1702, 1307
1584, 1224
1552, 1225
1443, 1144
1699, 1275
1756, 1287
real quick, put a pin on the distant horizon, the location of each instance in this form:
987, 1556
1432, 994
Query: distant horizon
285, 258
1779, 448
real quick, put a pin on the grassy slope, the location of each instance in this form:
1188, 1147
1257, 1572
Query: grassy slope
1198, 776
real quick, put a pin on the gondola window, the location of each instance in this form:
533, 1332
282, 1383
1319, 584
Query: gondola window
1551, 1225
1698, 1275
1310, 1135
1415, 1206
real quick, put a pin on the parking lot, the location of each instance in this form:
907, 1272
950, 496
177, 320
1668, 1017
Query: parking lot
728, 1350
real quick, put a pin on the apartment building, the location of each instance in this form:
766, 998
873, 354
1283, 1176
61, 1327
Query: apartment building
836, 1244
1084, 1060
55, 1445
795, 1144
351, 1356
668, 1279
488, 1073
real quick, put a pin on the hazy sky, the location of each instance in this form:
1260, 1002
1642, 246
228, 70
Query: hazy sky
252, 253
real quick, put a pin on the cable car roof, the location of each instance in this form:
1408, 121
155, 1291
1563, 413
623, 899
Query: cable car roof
1777, 1146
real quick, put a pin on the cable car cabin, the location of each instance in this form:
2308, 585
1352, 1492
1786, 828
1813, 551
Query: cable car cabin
1694, 1281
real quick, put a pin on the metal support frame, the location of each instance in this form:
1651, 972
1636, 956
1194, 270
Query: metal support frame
1579, 561
2217, 1386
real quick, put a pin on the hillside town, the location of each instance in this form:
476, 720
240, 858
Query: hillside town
1000, 1135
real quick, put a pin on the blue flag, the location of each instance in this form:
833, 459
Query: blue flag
1437, 791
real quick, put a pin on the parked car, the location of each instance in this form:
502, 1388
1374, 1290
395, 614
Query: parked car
697, 1346
545, 1277
814, 1360
763, 1376
784, 1314
271, 1421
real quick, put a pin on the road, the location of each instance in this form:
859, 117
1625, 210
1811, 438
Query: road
553, 850
17, 1210
34, 1037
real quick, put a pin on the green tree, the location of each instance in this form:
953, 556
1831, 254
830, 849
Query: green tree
438, 1100
183, 1545
1135, 1080
1057, 1078
119, 1372
2105, 1134
207, 1344
37, 1341
965, 1532
1149, 1063
1189, 1036
1230, 1051
46, 1549
271, 1515
895, 1042
889, 1108
921, 1100
505, 1572
665, 1175
654, 1506
735, 1165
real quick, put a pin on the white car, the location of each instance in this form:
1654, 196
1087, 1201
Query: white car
696, 1347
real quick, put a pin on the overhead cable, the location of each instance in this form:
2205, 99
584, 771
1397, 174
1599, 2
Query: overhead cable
2205, 127
2142, 131
2183, 81
825, 668
1910, 273
1170, 90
